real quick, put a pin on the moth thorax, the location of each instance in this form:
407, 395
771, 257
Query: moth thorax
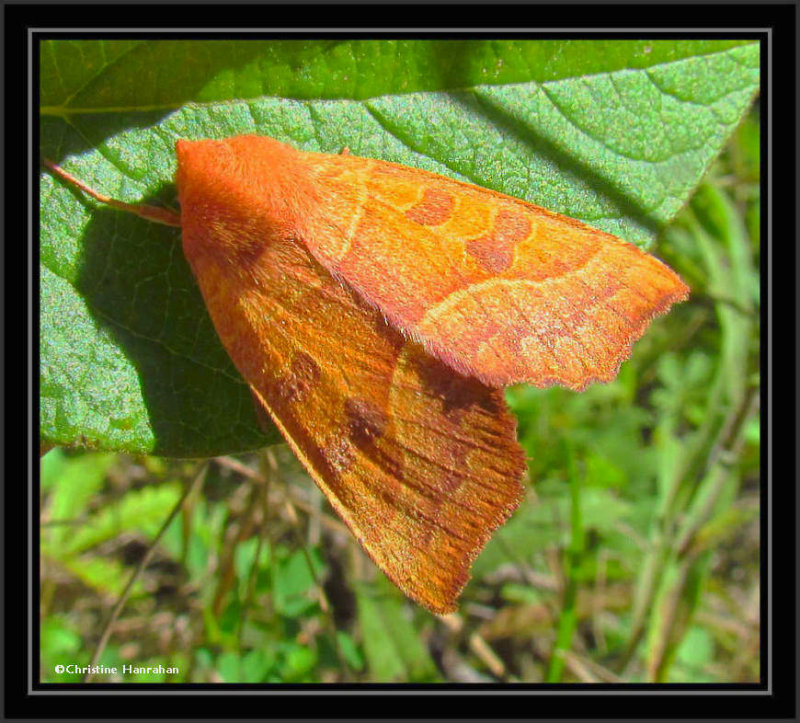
233, 203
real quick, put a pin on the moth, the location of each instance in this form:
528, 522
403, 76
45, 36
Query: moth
377, 311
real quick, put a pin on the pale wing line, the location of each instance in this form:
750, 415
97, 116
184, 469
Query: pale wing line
489, 342
336, 501
360, 207
347, 303
634, 330
612, 241
442, 307
465, 287
432, 230
522, 315
346, 234
372, 461
465, 291
521, 206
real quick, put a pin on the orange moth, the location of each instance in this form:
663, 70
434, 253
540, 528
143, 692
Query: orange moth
377, 311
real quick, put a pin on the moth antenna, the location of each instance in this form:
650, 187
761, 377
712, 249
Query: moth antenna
149, 213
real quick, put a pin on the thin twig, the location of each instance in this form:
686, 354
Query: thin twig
324, 603
138, 571
310, 509
263, 535
157, 214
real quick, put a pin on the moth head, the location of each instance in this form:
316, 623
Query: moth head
239, 194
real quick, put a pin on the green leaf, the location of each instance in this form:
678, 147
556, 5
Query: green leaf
295, 585
143, 510
107, 577
392, 645
616, 133
58, 638
88, 76
70, 483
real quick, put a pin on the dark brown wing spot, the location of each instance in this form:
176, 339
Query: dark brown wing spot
367, 426
435, 208
495, 250
303, 376
458, 394
365, 421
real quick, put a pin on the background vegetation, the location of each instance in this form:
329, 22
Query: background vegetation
635, 556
